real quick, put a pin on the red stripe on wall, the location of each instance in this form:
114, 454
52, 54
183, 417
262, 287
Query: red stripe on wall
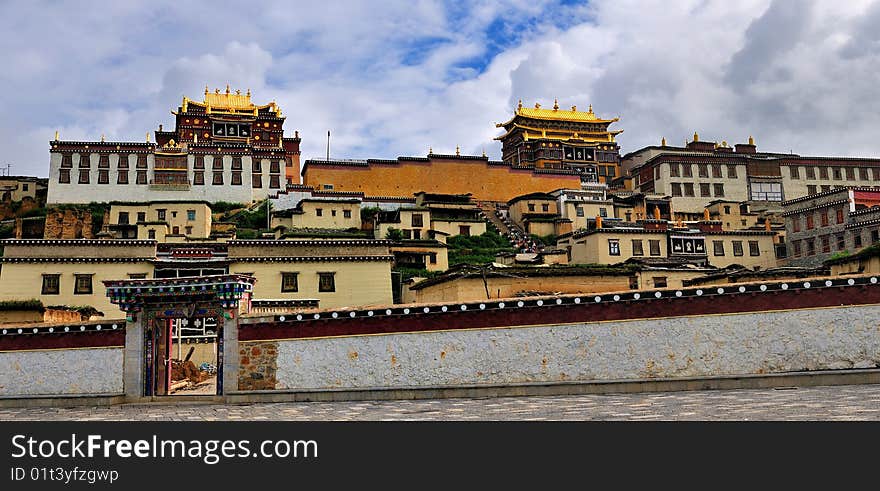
62, 341
565, 314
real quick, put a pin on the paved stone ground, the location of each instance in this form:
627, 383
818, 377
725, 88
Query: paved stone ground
853, 402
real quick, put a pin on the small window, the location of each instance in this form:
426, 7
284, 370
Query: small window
189, 230
199, 162
151, 234
256, 181
83, 284
346, 213
839, 215
689, 189
236, 163
66, 160
863, 173
256, 166
654, 247
51, 284
676, 189
687, 170
326, 282
545, 207
810, 221
274, 182
64, 176
85, 160
823, 218
464, 230
841, 242
103, 176
613, 247
319, 212
141, 162
703, 170
718, 247
603, 212
796, 223
826, 243
236, 178
122, 177
731, 172
416, 234
84, 176
531, 207
274, 167
823, 172
190, 215
737, 248
333, 213
123, 218
217, 163
673, 170
137, 276
726, 210
141, 177
811, 188
638, 250
705, 190
142, 216
793, 171
218, 179
175, 230
797, 248
850, 174
716, 171
754, 250
579, 211
857, 239
659, 281
24, 187
719, 189
407, 233
160, 214
875, 236
432, 257
289, 282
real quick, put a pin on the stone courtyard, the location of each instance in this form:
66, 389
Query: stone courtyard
848, 402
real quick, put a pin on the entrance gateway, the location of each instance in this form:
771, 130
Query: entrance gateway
158, 311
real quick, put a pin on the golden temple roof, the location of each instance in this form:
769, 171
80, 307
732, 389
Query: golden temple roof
558, 114
229, 101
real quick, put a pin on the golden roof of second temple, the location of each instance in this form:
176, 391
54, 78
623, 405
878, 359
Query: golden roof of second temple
558, 114
230, 101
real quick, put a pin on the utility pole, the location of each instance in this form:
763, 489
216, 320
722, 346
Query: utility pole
328, 145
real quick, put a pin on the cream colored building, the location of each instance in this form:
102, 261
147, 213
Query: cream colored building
613, 245
341, 214
164, 221
70, 272
431, 255
413, 222
17, 188
749, 248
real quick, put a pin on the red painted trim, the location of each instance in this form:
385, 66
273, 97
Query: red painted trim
100, 339
568, 313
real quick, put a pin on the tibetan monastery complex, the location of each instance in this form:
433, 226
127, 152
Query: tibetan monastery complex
223, 193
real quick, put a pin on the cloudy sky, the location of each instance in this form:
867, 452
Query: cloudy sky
395, 77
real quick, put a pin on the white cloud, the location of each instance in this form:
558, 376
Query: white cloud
394, 78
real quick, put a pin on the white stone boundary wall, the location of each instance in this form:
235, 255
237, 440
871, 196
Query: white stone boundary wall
81, 371
698, 346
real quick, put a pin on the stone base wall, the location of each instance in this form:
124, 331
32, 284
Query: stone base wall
258, 365
68, 224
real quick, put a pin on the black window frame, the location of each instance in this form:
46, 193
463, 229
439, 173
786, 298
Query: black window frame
285, 284
45, 288
323, 286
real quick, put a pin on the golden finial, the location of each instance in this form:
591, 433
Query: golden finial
751, 140
237, 91
724, 143
717, 145
574, 108
575, 135
457, 150
555, 104
227, 89
430, 150
249, 92
217, 91
484, 151
696, 137
591, 109
206, 90
56, 135
102, 137
148, 137
706, 216
519, 105
663, 141
537, 105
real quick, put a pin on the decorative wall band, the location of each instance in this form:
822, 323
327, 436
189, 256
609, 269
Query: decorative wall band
308, 259
75, 259
566, 309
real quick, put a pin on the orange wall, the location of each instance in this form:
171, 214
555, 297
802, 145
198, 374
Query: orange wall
485, 182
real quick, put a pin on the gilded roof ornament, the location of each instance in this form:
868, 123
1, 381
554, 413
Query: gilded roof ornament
696, 137
102, 137
663, 141
751, 140
574, 109
430, 150
206, 91
148, 137
590, 110
537, 105
555, 104
519, 105
457, 150
227, 89
56, 135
